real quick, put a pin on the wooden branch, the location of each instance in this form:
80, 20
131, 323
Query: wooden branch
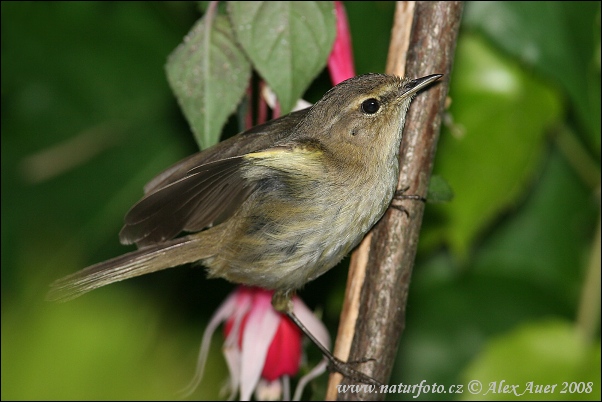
382, 265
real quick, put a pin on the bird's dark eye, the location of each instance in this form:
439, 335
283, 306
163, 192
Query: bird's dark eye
370, 106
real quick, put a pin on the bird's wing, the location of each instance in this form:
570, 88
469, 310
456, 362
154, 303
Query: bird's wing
191, 203
259, 137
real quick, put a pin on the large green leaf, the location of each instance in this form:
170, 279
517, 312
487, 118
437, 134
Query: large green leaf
546, 241
559, 39
547, 360
529, 265
500, 116
287, 41
209, 75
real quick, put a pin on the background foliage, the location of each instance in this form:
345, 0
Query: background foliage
507, 281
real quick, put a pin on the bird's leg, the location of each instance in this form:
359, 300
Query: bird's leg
282, 302
400, 196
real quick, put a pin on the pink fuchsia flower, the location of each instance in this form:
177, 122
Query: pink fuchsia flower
340, 61
262, 347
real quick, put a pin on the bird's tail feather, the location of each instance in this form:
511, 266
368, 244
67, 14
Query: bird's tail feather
143, 261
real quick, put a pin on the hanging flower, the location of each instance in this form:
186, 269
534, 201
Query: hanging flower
340, 61
262, 347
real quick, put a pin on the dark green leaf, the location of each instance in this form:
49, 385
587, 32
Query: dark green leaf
209, 75
439, 190
545, 242
370, 24
489, 154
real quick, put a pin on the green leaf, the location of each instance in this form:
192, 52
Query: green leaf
559, 39
209, 75
529, 265
549, 353
546, 241
439, 190
492, 149
288, 42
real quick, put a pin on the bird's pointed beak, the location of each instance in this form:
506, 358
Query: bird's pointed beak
416, 85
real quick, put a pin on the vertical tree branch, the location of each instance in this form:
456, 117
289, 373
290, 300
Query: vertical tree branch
383, 274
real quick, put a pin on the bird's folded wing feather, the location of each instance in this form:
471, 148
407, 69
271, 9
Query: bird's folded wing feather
191, 203
256, 138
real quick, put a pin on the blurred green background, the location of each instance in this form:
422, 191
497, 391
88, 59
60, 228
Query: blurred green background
507, 280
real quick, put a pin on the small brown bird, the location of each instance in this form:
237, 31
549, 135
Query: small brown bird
275, 206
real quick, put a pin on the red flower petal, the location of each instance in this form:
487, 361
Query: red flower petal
284, 354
